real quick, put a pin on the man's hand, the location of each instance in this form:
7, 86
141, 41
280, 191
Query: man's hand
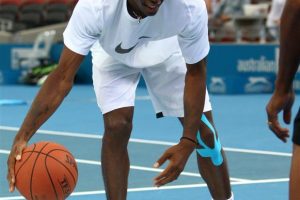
15, 154
178, 156
278, 103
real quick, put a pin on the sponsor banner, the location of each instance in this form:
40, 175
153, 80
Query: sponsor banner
240, 84
231, 68
238, 69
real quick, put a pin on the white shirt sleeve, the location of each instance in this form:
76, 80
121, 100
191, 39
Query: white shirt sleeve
84, 27
193, 40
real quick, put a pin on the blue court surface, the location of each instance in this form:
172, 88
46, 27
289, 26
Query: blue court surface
258, 162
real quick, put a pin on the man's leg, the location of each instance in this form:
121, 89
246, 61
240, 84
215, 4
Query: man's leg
295, 165
215, 173
294, 174
213, 169
114, 155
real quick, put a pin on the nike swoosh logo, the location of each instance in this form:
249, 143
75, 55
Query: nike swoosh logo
120, 50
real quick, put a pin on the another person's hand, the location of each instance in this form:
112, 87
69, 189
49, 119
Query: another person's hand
278, 103
15, 154
178, 156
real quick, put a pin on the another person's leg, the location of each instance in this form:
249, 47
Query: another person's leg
294, 174
295, 166
115, 85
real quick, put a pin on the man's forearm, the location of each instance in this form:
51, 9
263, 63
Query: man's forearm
194, 98
44, 105
51, 94
289, 46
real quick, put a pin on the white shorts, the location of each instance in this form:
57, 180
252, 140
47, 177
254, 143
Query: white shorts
115, 85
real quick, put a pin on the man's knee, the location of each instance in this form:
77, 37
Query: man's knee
207, 130
116, 126
210, 146
117, 132
207, 136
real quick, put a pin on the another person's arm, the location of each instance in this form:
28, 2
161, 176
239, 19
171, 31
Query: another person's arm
283, 96
48, 99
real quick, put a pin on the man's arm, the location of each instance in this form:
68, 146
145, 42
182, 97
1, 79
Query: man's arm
283, 96
194, 98
50, 96
289, 46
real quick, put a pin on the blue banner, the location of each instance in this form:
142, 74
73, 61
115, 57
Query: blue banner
231, 68
238, 69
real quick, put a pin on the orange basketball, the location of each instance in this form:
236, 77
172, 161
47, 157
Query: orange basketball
47, 171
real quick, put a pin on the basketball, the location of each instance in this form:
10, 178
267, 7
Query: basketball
46, 171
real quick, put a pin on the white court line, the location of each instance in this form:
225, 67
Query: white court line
153, 169
165, 188
149, 169
94, 136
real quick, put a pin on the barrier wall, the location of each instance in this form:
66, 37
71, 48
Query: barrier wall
232, 68
236, 69
7, 74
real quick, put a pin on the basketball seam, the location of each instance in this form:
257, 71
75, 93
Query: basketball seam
34, 167
50, 178
62, 164
46, 154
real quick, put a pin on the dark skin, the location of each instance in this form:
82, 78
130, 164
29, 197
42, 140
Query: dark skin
48, 99
283, 96
118, 125
144, 8
118, 122
216, 177
194, 96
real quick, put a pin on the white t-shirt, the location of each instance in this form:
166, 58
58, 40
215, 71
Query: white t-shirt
275, 13
178, 23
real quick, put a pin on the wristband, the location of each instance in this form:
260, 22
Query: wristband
187, 138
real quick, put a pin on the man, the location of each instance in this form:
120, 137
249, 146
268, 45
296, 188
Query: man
139, 37
283, 96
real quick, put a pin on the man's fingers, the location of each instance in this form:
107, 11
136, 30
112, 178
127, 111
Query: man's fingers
281, 133
287, 114
163, 173
18, 152
161, 160
12, 185
11, 182
11, 174
167, 178
16, 155
171, 173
